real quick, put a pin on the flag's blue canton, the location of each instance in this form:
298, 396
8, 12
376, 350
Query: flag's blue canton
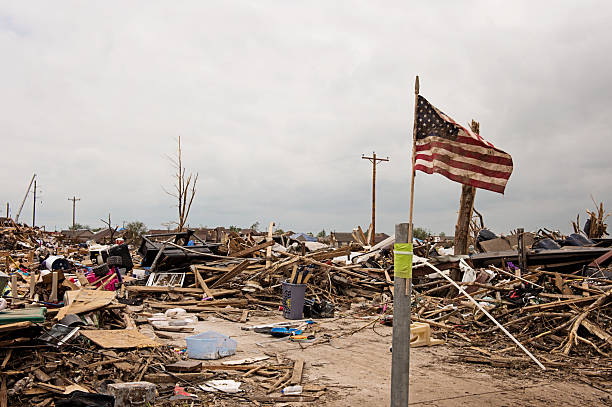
429, 122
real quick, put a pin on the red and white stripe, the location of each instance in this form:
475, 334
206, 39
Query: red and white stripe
469, 159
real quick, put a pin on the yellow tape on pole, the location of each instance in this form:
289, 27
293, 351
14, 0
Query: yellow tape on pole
402, 260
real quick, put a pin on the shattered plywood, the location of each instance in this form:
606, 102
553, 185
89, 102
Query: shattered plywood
84, 301
119, 339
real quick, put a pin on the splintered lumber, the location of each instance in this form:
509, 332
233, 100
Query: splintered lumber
231, 274
106, 362
244, 316
252, 371
217, 304
15, 326
201, 282
484, 311
573, 335
298, 368
84, 301
185, 366
230, 367
3, 393
33, 279
180, 290
597, 331
202, 267
279, 382
556, 304
285, 399
362, 236
171, 377
173, 328
253, 249
6, 359
269, 248
119, 338
466, 206
343, 251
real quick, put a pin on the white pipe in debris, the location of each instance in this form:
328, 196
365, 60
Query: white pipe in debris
500, 326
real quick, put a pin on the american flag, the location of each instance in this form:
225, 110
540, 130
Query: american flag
445, 147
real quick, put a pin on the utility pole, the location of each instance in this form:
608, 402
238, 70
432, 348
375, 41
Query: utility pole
74, 199
34, 207
373, 160
24, 199
7, 209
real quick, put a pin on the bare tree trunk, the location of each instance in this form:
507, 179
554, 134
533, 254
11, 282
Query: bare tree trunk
111, 230
185, 187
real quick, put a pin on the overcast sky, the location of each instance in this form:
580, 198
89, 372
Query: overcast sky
275, 101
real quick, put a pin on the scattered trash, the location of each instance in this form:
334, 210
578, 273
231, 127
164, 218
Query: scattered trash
292, 390
225, 386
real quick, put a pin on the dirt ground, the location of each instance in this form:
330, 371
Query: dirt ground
356, 370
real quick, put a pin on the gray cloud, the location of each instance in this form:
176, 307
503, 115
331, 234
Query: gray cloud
276, 102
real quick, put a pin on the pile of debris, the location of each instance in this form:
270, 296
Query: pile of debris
101, 322
97, 320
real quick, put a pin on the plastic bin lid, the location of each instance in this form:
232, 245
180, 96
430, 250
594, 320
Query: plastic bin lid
209, 335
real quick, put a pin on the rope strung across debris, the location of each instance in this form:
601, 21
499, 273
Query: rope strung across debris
500, 326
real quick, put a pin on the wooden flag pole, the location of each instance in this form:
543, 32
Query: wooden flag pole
414, 130
413, 174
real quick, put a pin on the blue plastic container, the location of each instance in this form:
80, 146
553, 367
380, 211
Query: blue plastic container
210, 345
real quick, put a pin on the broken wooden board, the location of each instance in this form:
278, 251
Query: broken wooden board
343, 251
84, 301
287, 399
172, 377
253, 249
185, 366
231, 274
217, 304
169, 328
555, 304
200, 281
298, 368
119, 339
180, 290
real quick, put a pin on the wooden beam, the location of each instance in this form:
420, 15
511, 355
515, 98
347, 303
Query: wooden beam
200, 281
556, 304
253, 249
231, 274
182, 290
466, 206
269, 248
298, 368
15, 326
